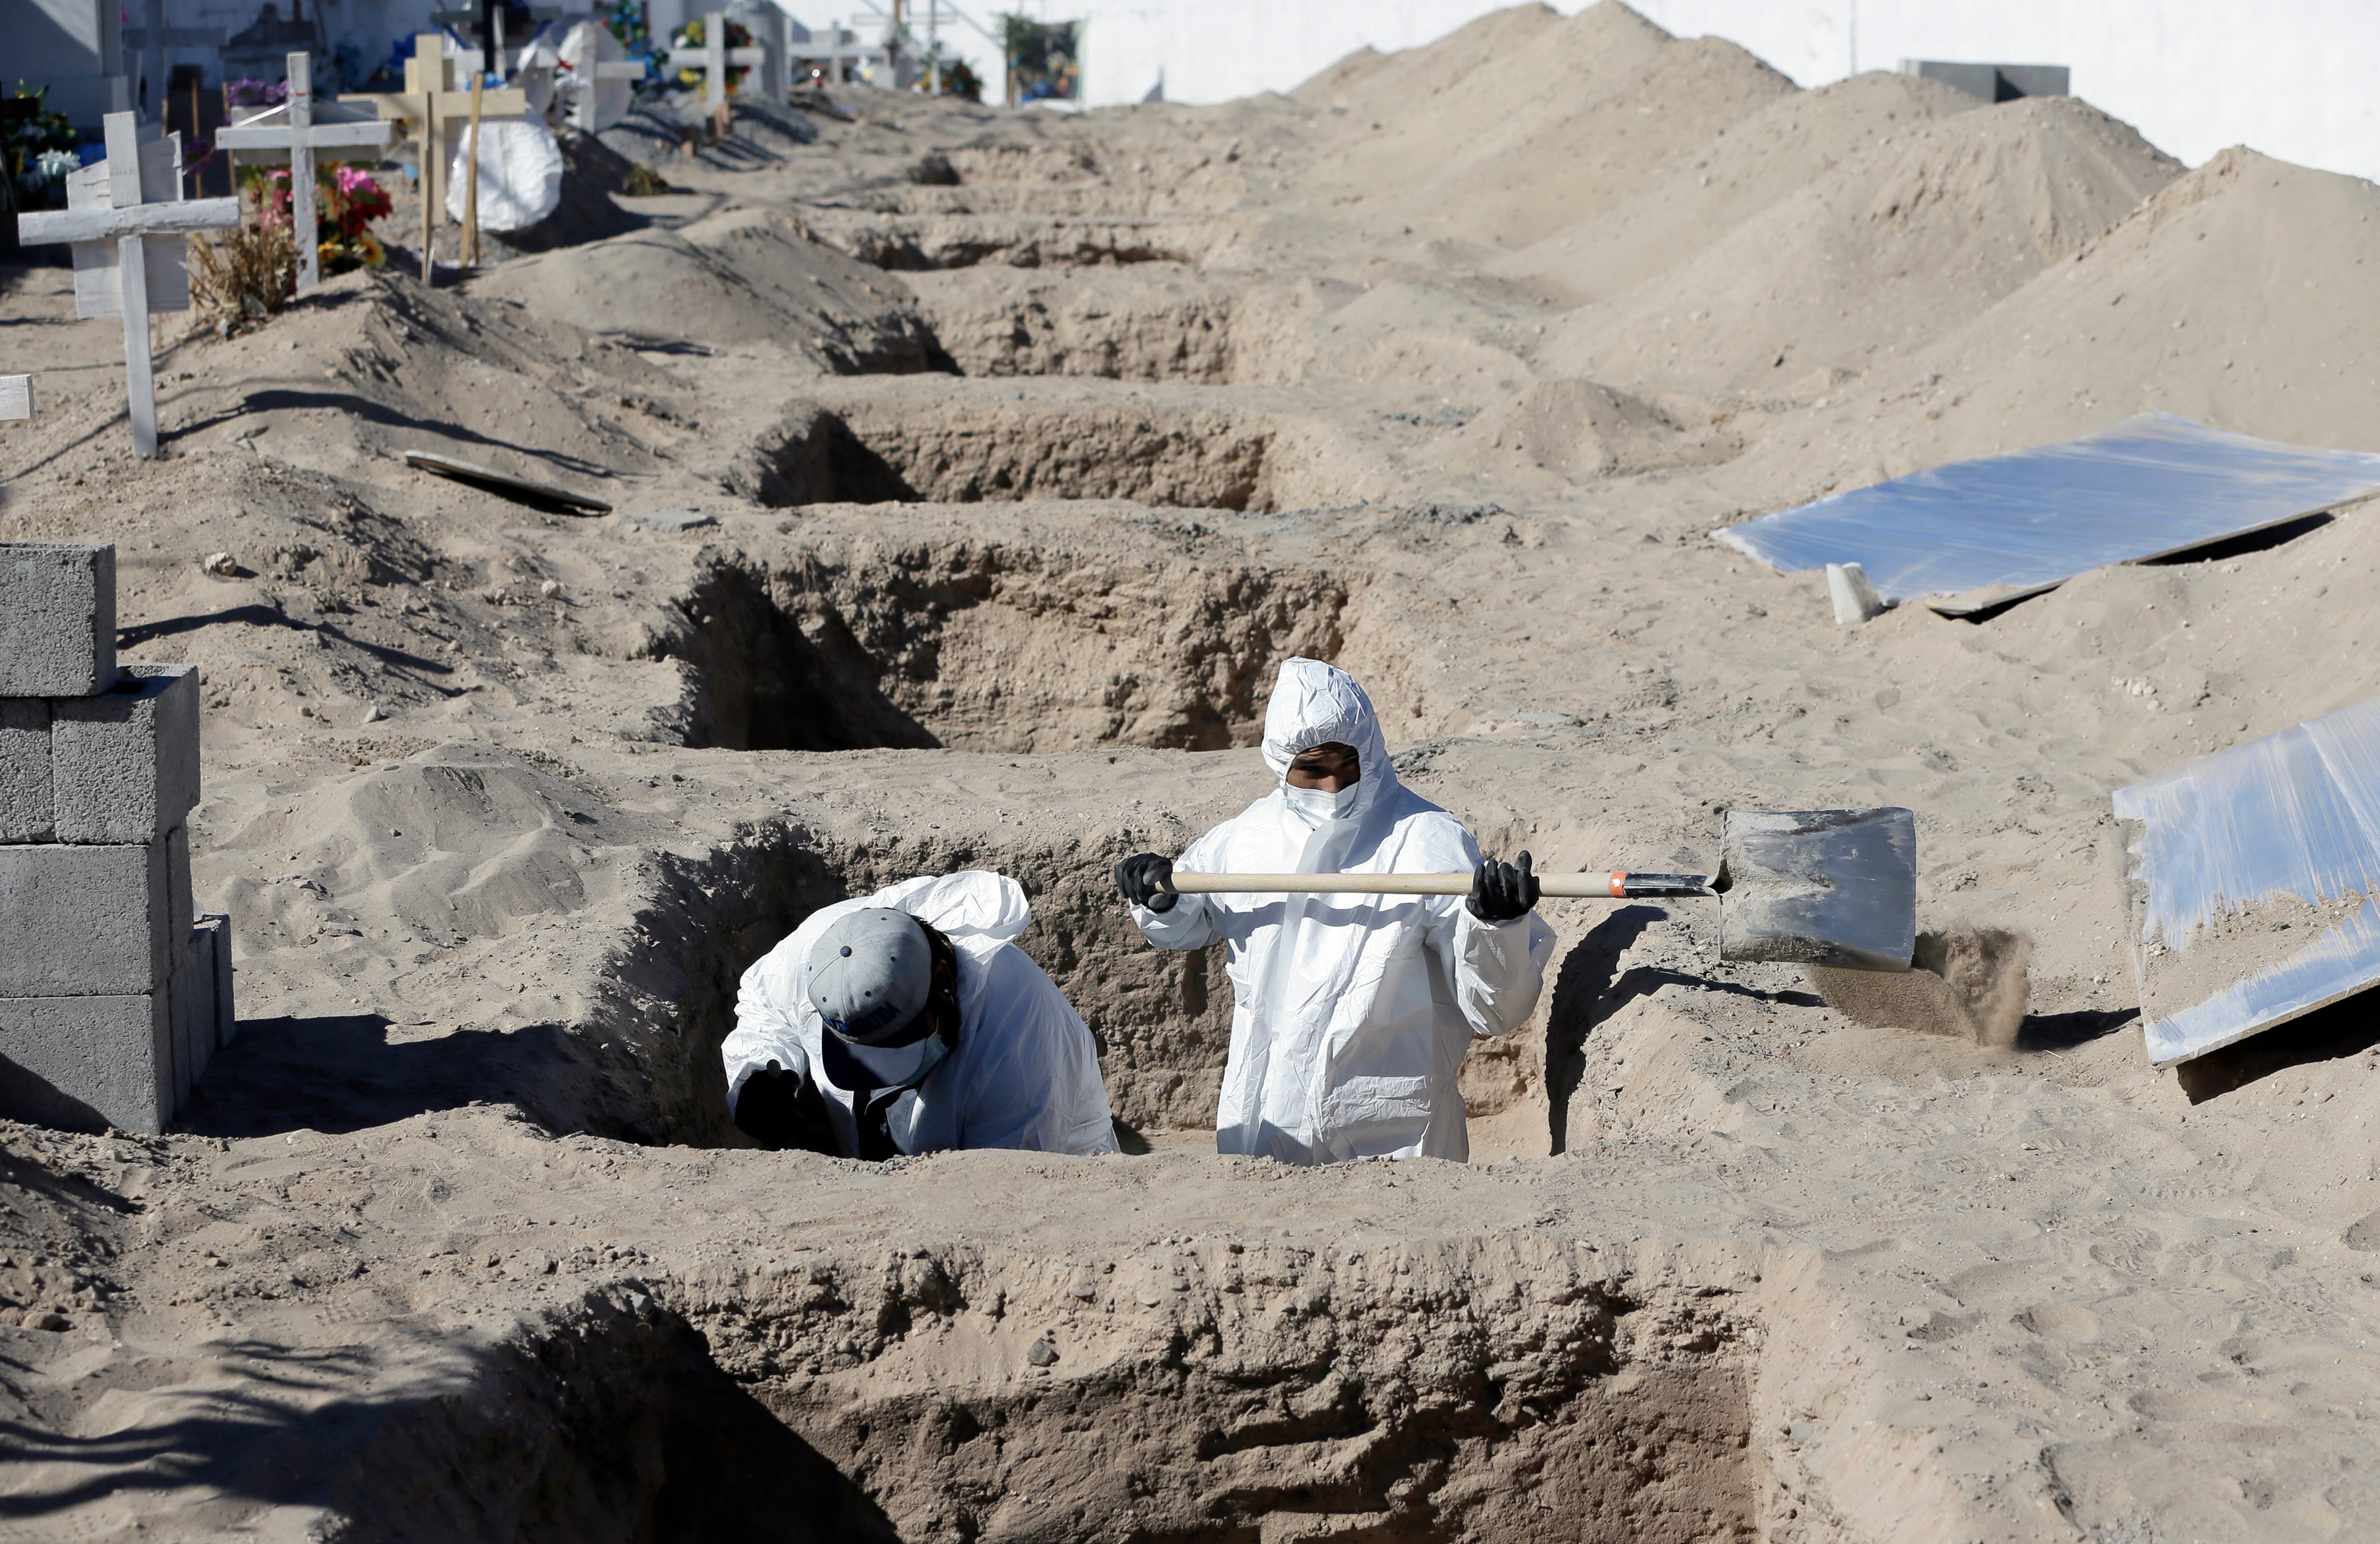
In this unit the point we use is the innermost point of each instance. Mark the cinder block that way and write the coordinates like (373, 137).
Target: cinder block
(57, 618)
(218, 928)
(124, 763)
(25, 799)
(201, 1002)
(90, 922)
(194, 1010)
(178, 920)
(85, 1062)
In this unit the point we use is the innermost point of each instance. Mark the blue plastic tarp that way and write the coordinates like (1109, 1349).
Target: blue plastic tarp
(2149, 487)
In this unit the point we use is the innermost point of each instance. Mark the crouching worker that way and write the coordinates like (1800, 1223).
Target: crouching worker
(1354, 1011)
(906, 1022)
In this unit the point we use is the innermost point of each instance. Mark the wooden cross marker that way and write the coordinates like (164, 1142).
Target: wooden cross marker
(715, 59)
(15, 398)
(290, 129)
(590, 56)
(432, 109)
(127, 219)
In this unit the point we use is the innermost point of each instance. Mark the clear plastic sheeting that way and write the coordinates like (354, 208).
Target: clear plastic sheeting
(2149, 487)
(2225, 845)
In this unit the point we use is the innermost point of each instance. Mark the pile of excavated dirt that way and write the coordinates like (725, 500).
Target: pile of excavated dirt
(1894, 246)
(973, 472)
(1702, 195)
(1525, 121)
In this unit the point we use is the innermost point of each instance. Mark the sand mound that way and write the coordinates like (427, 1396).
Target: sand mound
(730, 279)
(1515, 127)
(1585, 430)
(1714, 188)
(2242, 296)
(1368, 82)
(1890, 250)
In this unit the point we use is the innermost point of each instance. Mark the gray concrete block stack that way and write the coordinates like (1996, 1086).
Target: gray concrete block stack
(113, 996)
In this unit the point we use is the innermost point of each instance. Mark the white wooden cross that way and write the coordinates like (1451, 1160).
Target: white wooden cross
(290, 130)
(591, 55)
(834, 45)
(127, 221)
(431, 108)
(15, 398)
(715, 59)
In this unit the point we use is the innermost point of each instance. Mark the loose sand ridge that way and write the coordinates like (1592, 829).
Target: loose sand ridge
(456, 1241)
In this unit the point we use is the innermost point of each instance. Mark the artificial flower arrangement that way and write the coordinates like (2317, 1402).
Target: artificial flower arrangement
(346, 201)
(37, 151)
(691, 40)
(249, 91)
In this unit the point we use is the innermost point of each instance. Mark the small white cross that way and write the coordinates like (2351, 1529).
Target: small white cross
(297, 135)
(584, 67)
(127, 219)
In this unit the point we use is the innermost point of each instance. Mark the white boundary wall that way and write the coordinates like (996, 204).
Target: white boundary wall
(2295, 79)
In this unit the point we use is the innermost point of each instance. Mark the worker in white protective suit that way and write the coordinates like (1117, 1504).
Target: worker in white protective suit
(1354, 1011)
(908, 1022)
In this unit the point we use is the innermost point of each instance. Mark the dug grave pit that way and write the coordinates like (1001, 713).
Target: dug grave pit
(930, 635)
(1494, 1388)
(1162, 1020)
(887, 451)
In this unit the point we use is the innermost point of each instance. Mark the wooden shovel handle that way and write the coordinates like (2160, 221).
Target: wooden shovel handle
(1612, 886)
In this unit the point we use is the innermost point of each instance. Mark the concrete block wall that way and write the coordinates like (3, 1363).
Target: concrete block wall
(113, 996)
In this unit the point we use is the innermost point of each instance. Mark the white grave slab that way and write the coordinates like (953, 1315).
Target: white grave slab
(15, 398)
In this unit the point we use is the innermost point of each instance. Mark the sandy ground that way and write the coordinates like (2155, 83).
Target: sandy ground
(1023, 448)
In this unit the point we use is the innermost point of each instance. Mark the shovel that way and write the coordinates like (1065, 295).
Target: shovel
(1810, 887)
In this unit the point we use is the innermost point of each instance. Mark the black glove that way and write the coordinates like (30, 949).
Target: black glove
(780, 1110)
(1138, 878)
(1501, 892)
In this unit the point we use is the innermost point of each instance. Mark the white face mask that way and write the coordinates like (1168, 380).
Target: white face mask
(1317, 807)
(895, 1065)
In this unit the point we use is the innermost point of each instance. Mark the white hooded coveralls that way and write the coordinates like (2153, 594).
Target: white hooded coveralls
(1354, 1011)
(1024, 1073)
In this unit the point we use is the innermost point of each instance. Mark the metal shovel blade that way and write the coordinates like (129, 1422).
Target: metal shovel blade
(1818, 887)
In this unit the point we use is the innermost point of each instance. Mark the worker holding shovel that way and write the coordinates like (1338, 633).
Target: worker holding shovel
(1354, 1010)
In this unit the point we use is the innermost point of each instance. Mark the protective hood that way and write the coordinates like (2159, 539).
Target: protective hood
(1314, 704)
(974, 908)
(1024, 1074)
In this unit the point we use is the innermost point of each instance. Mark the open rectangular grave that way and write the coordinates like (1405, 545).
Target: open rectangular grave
(912, 243)
(1162, 1020)
(1505, 1389)
(883, 450)
(934, 637)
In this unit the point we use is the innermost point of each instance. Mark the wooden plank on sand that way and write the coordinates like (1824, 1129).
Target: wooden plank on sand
(501, 483)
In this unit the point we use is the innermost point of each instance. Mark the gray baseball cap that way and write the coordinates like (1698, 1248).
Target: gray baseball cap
(870, 974)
